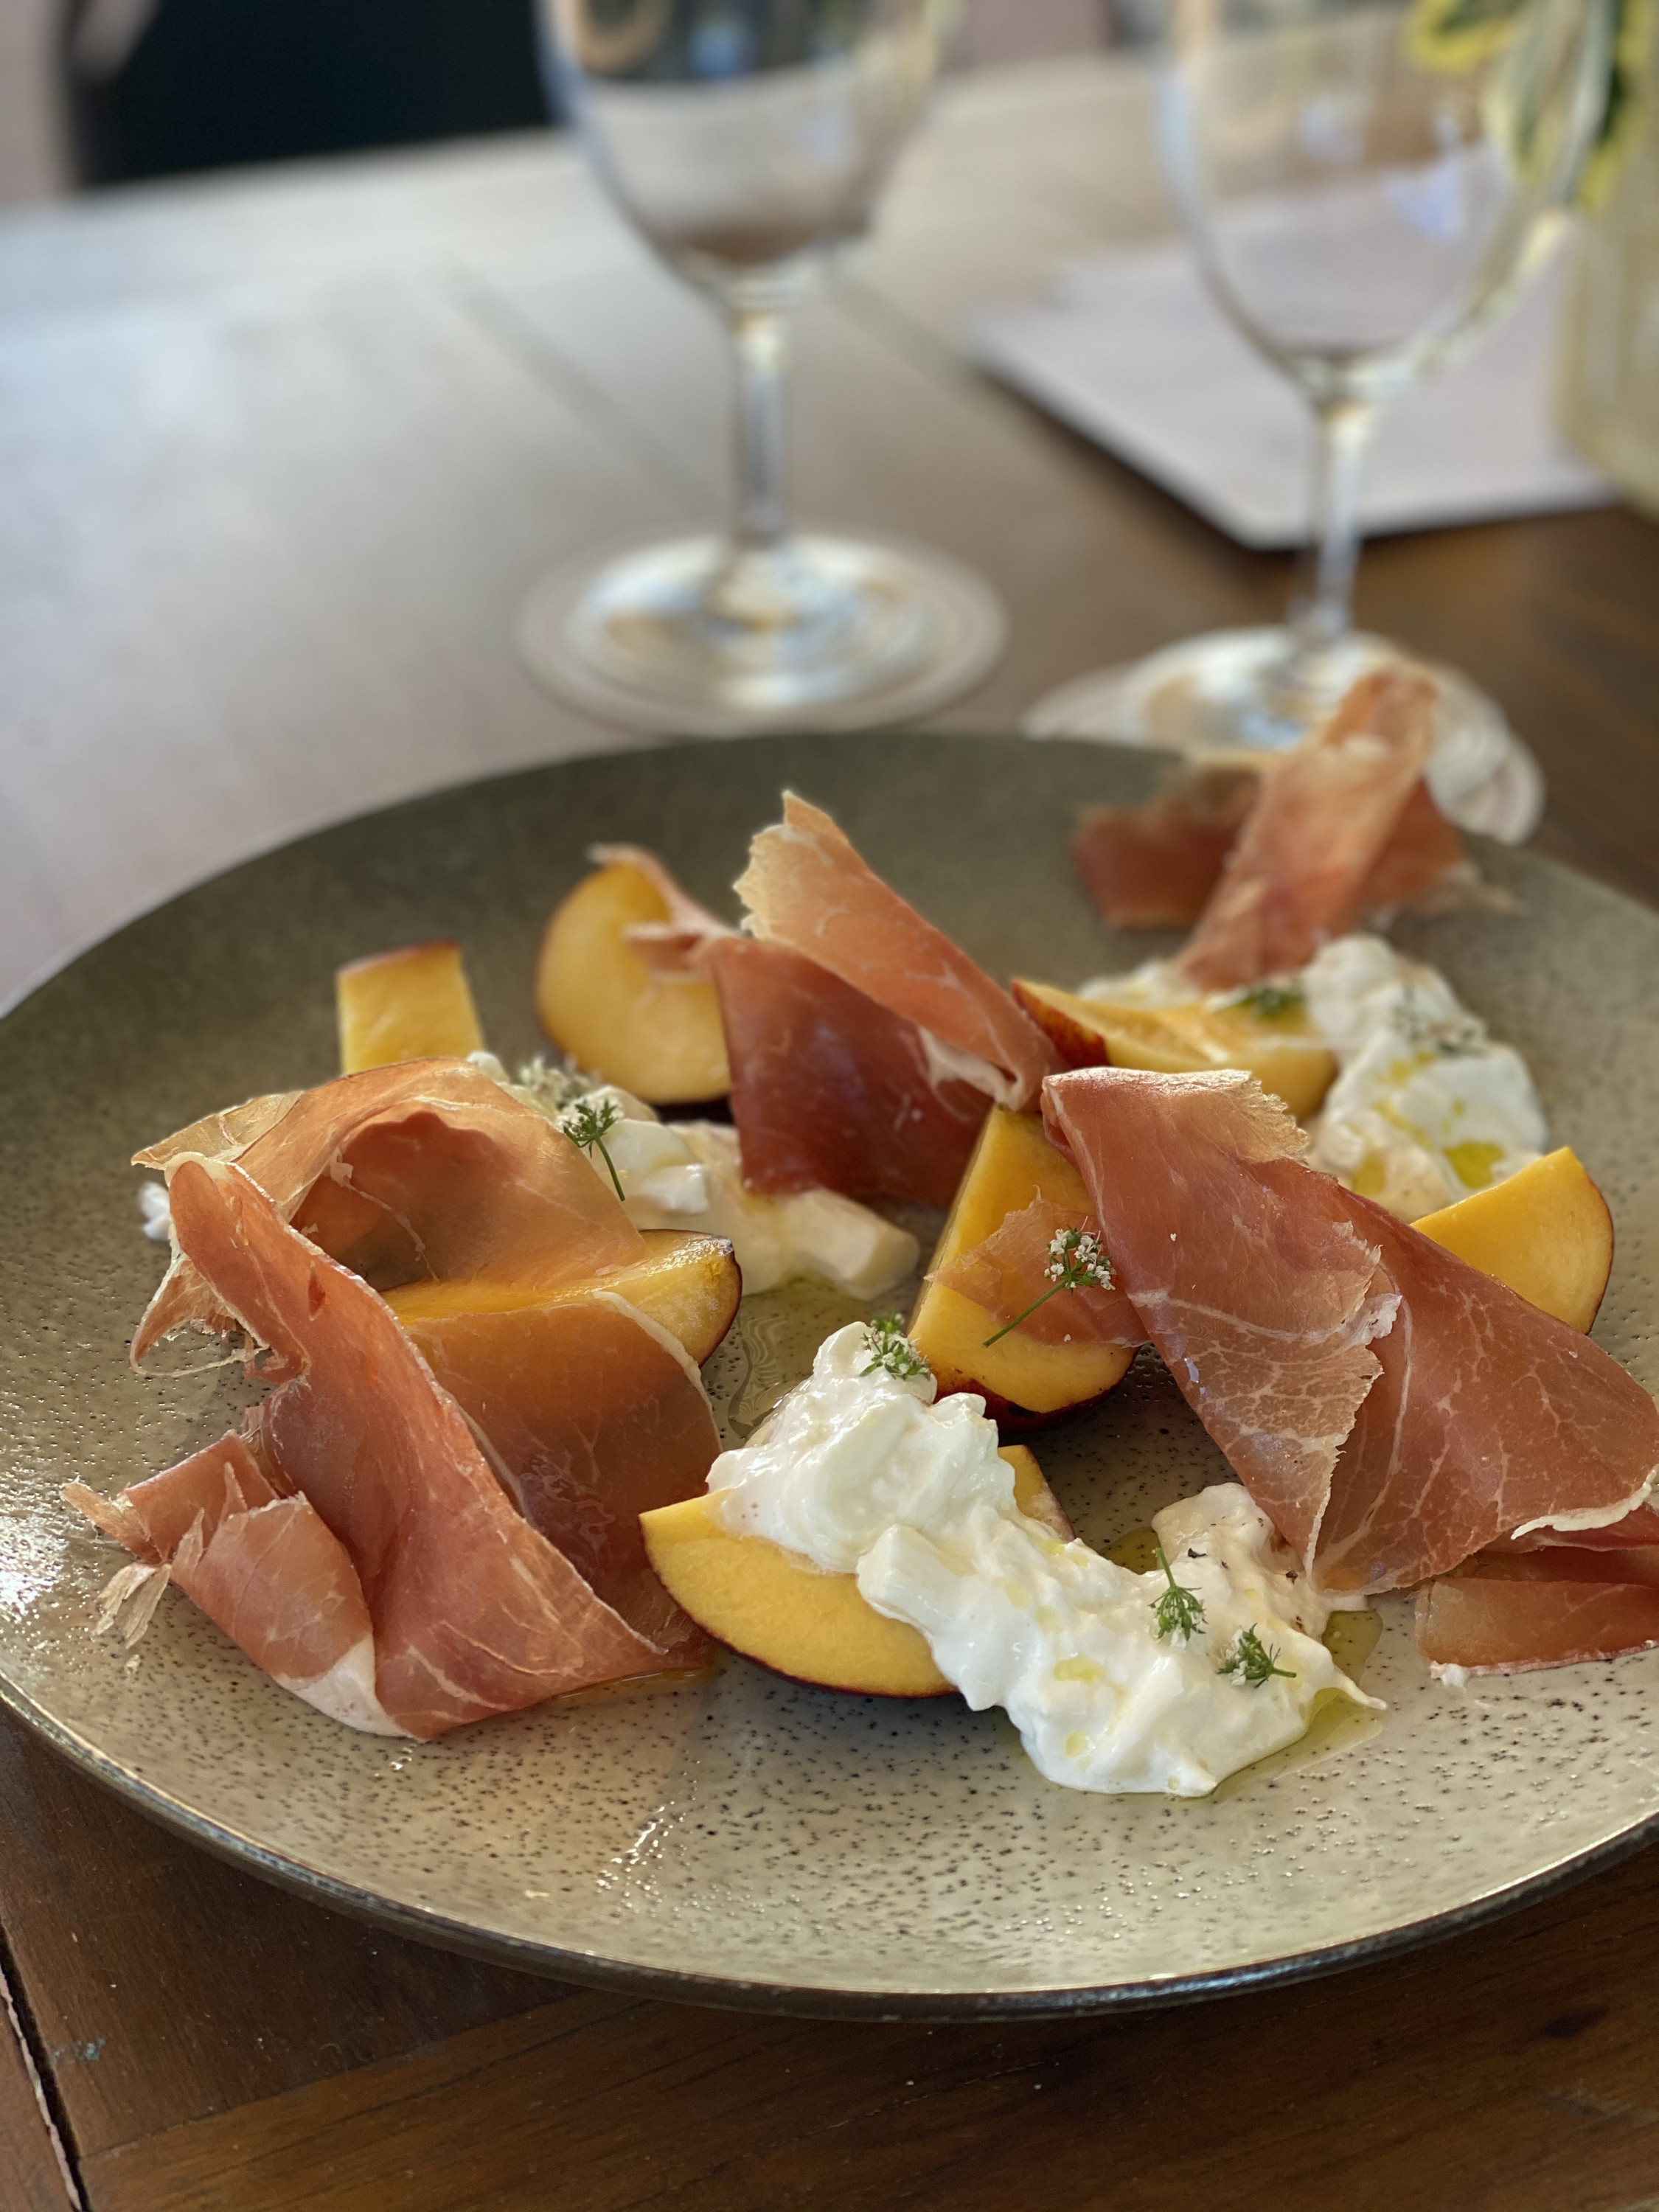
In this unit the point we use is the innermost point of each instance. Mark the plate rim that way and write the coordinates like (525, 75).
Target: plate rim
(795, 2000)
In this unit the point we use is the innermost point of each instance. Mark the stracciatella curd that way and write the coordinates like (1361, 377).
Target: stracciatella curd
(861, 1471)
(1425, 1107)
(688, 1175)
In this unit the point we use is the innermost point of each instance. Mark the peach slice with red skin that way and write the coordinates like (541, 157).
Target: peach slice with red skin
(411, 1003)
(657, 1035)
(771, 1606)
(1026, 1385)
(1545, 1230)
(1278, 1049)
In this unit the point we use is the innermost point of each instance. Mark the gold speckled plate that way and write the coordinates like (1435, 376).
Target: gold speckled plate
(745, 1840)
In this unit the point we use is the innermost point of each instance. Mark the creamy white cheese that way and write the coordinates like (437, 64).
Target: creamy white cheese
(1425, 1107)
(806, 1232)
(1155, 983)
(688, 1175)
(157, 1210)
(659, 1172)
(866, 1474)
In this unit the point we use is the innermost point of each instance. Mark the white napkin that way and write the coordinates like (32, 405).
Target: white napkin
(1132, 350)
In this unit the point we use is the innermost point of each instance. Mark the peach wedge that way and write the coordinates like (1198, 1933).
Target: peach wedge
(1544, 1231)
(1024, 1384)
(658, 1036)
(1276, 1049)
(412, 1003)
(764, 1602)
(689, 1285)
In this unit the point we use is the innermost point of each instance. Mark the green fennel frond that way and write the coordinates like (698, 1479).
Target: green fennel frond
(1255, 1662)
(1179, 1611)
(1077, 1261)
(891, 1352)
(587, 1124)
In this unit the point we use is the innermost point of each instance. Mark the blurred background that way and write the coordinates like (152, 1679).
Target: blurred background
(95, 93)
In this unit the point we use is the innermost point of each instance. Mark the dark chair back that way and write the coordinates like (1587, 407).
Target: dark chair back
(208, 84)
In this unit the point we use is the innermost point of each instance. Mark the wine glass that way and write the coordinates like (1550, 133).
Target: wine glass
(746, 141)
(1364, 186)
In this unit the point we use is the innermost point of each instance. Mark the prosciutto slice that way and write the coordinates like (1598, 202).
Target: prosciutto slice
(264, 1567)
(1156, 867)
(1636, 1529)
(1545, 1608)
(153, 1517)
(1008, 1272)
(424, 1170)
(1264, 1306)
(1425, 865)
(473, 1611)
(1392, 1410)
(1299, 874)
(1489, 1417)
(593, 1416)
(808, 891)
(829, 1088)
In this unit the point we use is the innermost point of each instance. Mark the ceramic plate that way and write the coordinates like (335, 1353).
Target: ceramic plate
(745, 1840)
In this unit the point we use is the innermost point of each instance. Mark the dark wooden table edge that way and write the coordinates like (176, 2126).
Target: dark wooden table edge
(877, 2006)
(47, 2145)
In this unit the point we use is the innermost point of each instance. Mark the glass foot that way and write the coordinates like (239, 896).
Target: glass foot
(1224, 693)
(692, 638)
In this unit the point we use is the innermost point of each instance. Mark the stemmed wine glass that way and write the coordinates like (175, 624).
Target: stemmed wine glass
(747, 140)
(1364, 186)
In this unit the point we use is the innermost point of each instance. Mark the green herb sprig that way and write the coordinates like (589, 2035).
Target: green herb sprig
(587, 1124)
(891, 1352)
(1255, 1662)
(1179, 1611)
(1269, 1002)
(1076, 1262)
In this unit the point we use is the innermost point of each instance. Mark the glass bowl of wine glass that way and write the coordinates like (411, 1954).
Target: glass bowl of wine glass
(1364, 187)
(747, 141)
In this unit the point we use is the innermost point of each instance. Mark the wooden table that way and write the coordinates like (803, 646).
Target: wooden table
(278, 459)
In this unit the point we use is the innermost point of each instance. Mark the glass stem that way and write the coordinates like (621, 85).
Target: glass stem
(761, 342)
(1320, 609)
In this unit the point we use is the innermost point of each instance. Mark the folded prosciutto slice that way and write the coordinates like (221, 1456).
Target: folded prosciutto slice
(1008, 1272)
(1297, 876)
(1546, 1598)
(1636, 1530)
(1392, 1410)
(1156, 867)
(593, 1415)
(1546, 1608)
(807, 889)
(424, 1170)
(865, 1048)
(830, 1089)
(1425, 865)
(472, 1611)
(264, 1567)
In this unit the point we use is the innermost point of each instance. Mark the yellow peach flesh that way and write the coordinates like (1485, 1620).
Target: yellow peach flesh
(775, 1607)
(1276, 1049)
(412, 1003)
(689, 1285)
(1023, 1381)
(658, 1036)
(1544, 1231)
